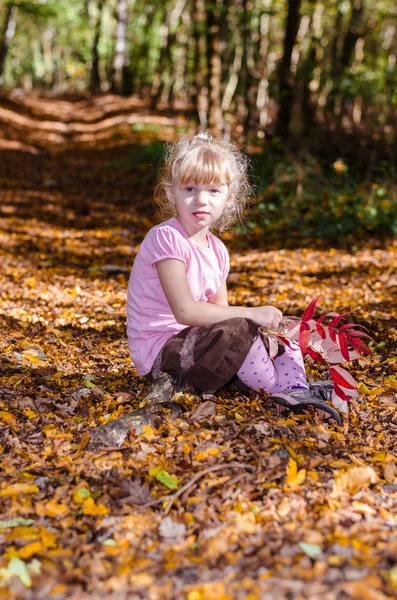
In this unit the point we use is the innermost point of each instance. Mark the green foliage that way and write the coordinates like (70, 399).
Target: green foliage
(304, 199)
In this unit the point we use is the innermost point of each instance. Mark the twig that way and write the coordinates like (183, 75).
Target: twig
(198, 476)
(102, 451)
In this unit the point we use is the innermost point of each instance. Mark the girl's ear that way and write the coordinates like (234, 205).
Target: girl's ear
(230, 198)
(170, 195)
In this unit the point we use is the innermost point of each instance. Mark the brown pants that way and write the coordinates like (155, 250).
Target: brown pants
(206, 358)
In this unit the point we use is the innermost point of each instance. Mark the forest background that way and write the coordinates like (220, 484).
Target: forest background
(311, 85)
(228, 500)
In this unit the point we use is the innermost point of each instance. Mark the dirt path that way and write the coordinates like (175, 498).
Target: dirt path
(309, 512)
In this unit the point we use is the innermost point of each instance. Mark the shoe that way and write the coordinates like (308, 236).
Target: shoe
(322, 389)
(299, 399)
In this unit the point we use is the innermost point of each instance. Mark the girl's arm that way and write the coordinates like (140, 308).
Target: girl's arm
(193, 313)
(220, 297)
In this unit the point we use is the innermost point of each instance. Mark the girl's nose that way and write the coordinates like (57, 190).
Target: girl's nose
(201, 197)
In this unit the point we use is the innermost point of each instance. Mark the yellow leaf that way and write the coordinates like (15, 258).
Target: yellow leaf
(363, 508)
(390, 383)
(80, 494)
(314, 476)
(30, 549)
(374, 393)
(33, 357)
(30, 414)
(213, 451)
(362, 590)
(30, 282)
(284, 507)
(59, 589)
(363, 389)
(52, 509)
(92, 509)
(354, 480)
(201, 456)
(52, 433)
(148, 432)
(7, 417)
(208, 452)
(19, 488)
(294, 477)
(246, 523)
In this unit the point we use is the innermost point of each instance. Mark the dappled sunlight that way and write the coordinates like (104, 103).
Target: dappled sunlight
(72, 217)
(107, 122)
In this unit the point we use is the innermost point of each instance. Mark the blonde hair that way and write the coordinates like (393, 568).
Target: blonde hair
(205, 160)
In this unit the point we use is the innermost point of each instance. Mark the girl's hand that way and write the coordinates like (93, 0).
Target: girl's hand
(268, 317)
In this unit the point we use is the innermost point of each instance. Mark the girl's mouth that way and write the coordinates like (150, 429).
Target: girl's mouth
(200, 212)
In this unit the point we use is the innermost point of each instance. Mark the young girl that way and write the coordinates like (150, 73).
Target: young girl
(178, 317)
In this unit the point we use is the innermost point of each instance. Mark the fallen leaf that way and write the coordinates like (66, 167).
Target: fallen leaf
(94, 510)
(294, 477)
(171, 481)
(19, 488)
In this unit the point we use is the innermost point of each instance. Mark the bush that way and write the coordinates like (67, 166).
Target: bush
(303, 199)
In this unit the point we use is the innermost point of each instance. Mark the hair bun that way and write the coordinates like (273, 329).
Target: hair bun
(203, 135)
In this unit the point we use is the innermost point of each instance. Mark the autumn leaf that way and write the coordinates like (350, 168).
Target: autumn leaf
(171, 481)
(52, 509)
(294, 477)
(92, 509)
(15, 489)
(15, 523)
(16, 567)
(354, 480)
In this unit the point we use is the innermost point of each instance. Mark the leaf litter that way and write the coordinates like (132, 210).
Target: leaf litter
(227, 500)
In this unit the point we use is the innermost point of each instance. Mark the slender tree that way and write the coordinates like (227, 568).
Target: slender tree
(286, 79)
(121, 51)
(95, 79)
(7, 33)
(214, 61)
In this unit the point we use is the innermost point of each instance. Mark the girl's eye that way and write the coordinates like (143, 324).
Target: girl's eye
(214, 191)
(189, 188)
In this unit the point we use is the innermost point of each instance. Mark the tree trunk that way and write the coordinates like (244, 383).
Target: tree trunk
(265, 68)
(200, 62)
(245, 79)
(120, 55)
(215, 65)
(7, 33)
(165, 68)
(95, 79)
(286, 82)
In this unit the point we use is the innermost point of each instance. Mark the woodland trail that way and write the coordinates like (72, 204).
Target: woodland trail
(311, 511)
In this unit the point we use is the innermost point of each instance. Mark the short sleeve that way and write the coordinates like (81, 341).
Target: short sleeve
(165, 242)
(226, 264)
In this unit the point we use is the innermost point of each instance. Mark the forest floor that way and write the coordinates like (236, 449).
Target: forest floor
(273, 508)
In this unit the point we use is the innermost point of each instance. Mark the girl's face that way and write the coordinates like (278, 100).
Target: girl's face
(199, 205)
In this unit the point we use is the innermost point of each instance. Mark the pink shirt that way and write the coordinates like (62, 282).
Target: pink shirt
(150, 320)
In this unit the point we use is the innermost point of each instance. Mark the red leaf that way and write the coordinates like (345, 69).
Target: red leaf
(309, 312)
(340, 393)
(285, 340)
(357, 334)
(330, 314)
(335, 322)
(360, 346)
(304, 338)
(351, 326)
(315, 355)
(332, 334)
(343, 346)
(321, 331)
(338, 379)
